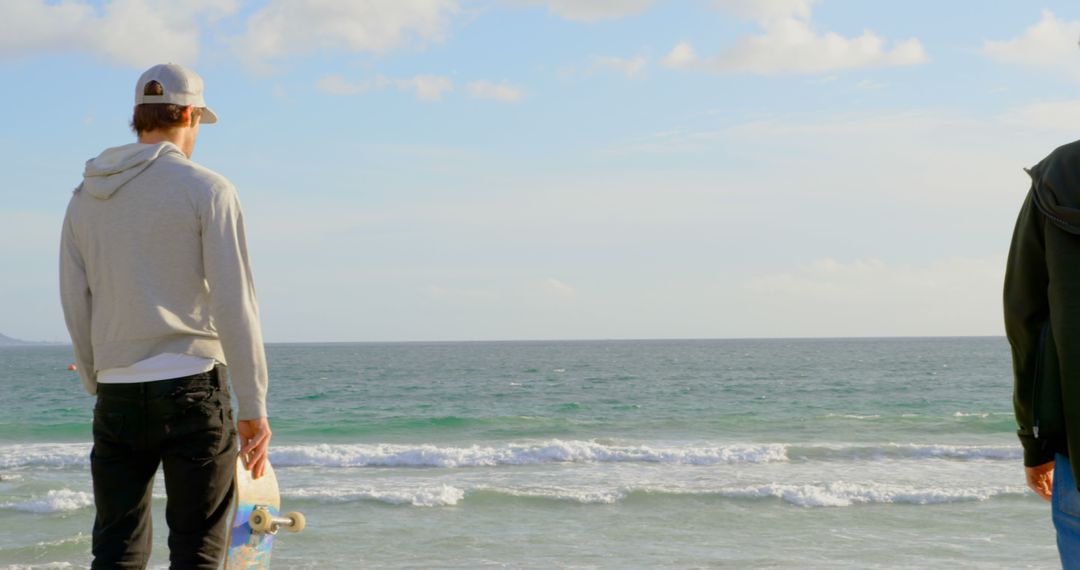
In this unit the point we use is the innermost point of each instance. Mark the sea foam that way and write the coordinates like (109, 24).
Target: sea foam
(77, 455)
(437, 496)
(1001, 452)
(835, 494)
(553, 451)
(812, 495)
(847, 451)
(841, 494)
(57, 455)
(55, 501)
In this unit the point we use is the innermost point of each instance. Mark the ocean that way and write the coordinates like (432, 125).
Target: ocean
(838, 453)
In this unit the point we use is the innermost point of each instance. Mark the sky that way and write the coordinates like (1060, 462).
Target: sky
(415, 170)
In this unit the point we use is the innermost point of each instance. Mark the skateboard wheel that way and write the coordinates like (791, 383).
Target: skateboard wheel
(298, 521)
(260, 521)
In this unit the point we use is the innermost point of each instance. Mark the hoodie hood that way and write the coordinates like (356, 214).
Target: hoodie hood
(117, 166)
(1055, 185)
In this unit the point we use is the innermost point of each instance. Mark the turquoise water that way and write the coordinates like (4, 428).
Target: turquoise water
(875, 453)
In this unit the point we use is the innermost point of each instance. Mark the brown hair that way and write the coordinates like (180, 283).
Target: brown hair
(159, 116)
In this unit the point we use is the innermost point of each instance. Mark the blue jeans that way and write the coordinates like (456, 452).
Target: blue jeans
(1066, 513)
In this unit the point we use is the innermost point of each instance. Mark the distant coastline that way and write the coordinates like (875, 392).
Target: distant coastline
(8, 341)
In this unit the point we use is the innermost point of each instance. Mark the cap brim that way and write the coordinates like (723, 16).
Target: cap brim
(209, 117)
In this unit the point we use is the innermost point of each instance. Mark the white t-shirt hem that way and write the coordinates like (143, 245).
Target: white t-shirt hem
(161, 367)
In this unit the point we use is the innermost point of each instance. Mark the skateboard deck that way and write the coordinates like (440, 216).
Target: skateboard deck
(256, 519)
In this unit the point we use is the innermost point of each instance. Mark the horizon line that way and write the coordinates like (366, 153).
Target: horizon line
(24, 343)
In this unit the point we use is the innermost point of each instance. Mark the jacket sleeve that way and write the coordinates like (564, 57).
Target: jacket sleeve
(75, 297)
(233, 307)
(1026, 306)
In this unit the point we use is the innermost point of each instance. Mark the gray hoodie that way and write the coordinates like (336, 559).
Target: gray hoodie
(153, 260)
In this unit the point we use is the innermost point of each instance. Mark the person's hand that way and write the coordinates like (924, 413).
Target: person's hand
(1041, 479)
(254, 444)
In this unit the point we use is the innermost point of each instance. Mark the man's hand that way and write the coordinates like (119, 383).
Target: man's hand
(1041, 479)
(254, 444)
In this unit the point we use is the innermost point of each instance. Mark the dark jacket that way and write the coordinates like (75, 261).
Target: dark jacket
(1042, 310)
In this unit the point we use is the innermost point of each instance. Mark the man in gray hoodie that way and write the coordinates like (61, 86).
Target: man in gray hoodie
(159, 301)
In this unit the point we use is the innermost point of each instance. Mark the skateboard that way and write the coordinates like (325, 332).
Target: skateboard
(256, 519)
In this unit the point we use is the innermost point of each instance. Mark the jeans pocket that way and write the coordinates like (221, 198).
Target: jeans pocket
(198, 429)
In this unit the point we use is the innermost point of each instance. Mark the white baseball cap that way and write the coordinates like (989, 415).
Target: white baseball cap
(179, 86)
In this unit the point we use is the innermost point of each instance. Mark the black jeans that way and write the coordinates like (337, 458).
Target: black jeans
(186, 425)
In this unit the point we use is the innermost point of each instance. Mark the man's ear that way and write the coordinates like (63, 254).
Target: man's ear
(186, 115)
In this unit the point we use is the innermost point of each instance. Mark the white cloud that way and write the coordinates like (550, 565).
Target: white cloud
(1051, 43)
(498, 91)
(129, 32)
(790, 44)
(634, 67)
(143, 32)
(680, 56)
(288, 27)
(424, 87)
(590, 10)
(766, 9)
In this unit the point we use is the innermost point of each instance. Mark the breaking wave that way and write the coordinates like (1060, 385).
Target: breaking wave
(814, 495)
(77, 455)
(55, 501)
(554, 451)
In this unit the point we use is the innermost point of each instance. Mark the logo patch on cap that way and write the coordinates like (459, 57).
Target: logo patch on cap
(153, 88)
